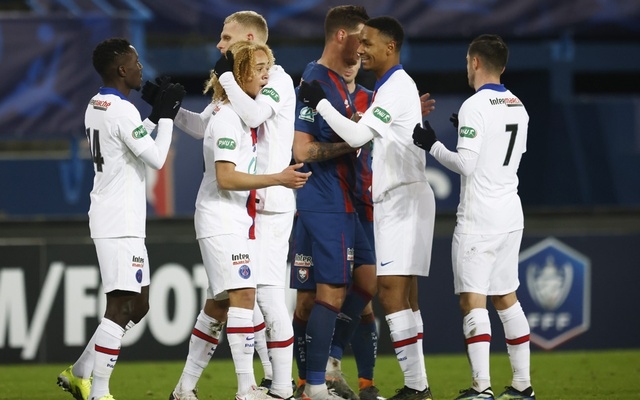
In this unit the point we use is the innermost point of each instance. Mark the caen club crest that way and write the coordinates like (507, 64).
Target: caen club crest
(557, 299)
(303, 274)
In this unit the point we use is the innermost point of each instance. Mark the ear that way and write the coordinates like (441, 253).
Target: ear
(122, 71)
(250, 37)
(391, 47)
(341, 34)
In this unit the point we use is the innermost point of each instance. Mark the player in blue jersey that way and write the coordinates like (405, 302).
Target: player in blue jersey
(328, 237)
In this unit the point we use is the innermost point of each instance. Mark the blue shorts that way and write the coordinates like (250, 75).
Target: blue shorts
(326, 246)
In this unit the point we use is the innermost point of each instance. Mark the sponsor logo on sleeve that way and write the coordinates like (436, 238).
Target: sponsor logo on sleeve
(508, 101)
(271, 92)
(382, 115)
(139, 132)
(101, 105)
(467, 132)
(307, 114)
(226, 143)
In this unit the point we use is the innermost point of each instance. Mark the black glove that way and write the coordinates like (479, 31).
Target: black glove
(224, 64)
(424, 137)
(311, 93)
(150, 89)
(167, 102)
(454, 120)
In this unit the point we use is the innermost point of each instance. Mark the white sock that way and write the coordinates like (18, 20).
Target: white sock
(83, 367)
(202, 344)
(404, 335)
(259, 328)
(420, 327)
(516, 332)
(271, 300)
(242, 341)
(477, 335)
(107, 348)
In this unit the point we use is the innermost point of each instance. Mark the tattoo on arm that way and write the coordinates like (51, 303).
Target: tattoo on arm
(320, 151)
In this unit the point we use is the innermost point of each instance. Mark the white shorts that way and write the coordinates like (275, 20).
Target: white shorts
(124, 263)
(403, 230)
(227, 260)
(270, 248)
(486, 264)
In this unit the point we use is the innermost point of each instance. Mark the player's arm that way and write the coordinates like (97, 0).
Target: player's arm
(252, 112)
(194, 123)
(462, 162)
(307, 149)
(355, 134)
(156, 154)
(230, 179)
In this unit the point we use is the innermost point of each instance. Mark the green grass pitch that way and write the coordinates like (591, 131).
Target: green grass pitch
(556, 375)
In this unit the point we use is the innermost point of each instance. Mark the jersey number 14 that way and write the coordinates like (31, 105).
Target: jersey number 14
(96, 156)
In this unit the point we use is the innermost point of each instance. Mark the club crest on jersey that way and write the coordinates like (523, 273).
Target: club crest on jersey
(244, 271)
(271, 93)
(226, 143)
(307, 114)
(303, 274)
(139, 276)
(382, 115)
(139, 132)
(467, 132)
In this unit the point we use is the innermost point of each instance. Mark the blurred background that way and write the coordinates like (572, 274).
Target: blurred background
(575, 64)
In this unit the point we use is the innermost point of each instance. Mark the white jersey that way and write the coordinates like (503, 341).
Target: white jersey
(275, 139)
(116, 137)
(492, 123)
(218, 211)
(394, 113)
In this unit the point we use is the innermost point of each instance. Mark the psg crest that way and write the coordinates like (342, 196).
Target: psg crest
(557, 292)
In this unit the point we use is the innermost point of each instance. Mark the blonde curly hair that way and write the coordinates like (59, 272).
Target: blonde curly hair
(244, 65)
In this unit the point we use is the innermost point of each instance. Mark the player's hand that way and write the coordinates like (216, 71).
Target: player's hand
(427, 104)
(311, 93)
(293, 179)
(224, 64)
(151, 89)
(167, 103)
(454, 120)
(424, 137)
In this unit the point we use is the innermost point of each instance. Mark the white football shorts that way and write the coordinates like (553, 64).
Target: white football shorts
(403, 230)
(270, 248)
(486, 264)
(124, 263)
(228, 264)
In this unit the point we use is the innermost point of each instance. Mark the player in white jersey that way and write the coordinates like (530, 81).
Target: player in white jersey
(404, 204)
(225, 208)
(492, 134)
(120, 147)
(271, 112)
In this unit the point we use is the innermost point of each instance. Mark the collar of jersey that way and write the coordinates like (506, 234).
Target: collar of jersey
(113, 91)
(386, 76)
(493, 86)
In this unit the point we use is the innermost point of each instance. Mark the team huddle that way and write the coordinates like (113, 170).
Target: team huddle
(340, 170)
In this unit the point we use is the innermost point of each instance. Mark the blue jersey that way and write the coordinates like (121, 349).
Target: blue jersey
(330, 187)
(361, 98)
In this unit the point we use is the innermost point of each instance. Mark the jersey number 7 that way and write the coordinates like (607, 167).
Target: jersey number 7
(513, 128)
(95, 149)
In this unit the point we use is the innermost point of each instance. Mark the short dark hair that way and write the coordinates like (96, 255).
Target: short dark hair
(106, 53)
(492, 49)
(344, 17)
(390, 27)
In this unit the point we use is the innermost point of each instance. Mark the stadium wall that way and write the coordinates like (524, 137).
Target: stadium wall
(51, 300)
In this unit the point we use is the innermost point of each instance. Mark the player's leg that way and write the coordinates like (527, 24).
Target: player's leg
(473, 257)
(272, 247)
(364, 344)
(203, 342)
(514, 321)
(125, 289)
(403, 240)
(415, 307)
(260, 329)
(333, 258)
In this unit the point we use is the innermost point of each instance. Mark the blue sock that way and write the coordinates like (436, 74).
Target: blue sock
(348, 320)
(365, 346)
(322, 321)
(300, 346)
